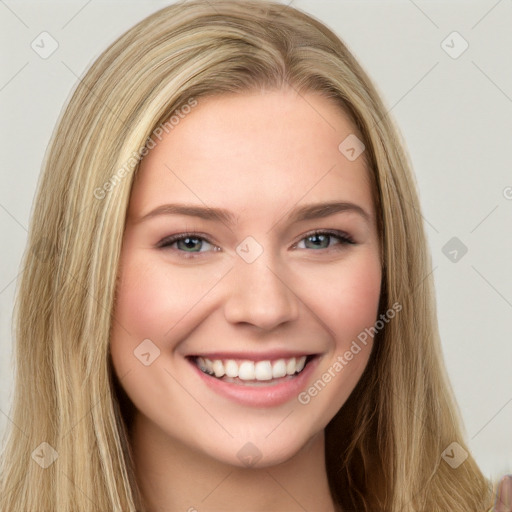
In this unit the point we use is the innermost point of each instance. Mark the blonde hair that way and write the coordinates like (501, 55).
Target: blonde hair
(384, 447)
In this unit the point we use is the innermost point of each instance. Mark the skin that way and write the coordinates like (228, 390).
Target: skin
(259, 155)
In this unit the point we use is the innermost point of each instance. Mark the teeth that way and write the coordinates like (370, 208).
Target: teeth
(299, 365)
(231, 368)
(205, 365)
(263, 370)
(218, 368)
(279, 368)
(250, 370)
(246, 371)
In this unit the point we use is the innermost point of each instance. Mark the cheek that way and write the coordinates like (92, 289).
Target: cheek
(143, 303)
(358, 308)
(156, 300)
(346, 297)
(347, 302)
(145, 298)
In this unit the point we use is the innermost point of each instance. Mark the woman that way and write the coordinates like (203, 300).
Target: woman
(293, 361)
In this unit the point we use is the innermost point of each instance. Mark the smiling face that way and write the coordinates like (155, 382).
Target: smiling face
(239, 331)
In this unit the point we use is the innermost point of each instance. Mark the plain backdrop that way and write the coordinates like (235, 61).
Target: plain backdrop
(453, 106)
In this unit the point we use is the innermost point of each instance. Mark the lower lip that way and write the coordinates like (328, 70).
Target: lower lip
(260, 396)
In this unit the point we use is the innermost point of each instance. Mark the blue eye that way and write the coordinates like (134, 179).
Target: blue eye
(322, 239)
(186, 242)
(190, 243)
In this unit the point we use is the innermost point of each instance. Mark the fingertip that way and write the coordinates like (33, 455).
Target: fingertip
(504, 495)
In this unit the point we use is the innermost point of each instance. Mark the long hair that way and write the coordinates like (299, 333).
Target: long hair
(384, 447)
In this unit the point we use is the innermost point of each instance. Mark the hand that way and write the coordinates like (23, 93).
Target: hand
(503, 501)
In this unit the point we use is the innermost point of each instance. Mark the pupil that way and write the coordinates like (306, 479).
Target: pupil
(321, 239)
(188, 241)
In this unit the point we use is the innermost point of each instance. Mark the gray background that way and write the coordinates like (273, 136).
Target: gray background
(454, 113)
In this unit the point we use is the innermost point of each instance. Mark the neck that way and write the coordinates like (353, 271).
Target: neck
(174, 477)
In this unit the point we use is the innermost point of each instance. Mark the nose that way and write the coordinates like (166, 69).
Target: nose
(260, 295)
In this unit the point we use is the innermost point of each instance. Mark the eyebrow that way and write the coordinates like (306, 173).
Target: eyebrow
(302, 213)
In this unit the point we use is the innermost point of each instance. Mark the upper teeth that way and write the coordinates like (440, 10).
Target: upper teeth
(251, 370)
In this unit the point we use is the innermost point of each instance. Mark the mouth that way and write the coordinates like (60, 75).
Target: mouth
(250, 372)
(253, 381)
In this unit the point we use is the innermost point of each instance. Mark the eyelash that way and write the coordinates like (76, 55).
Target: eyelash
(166, 243)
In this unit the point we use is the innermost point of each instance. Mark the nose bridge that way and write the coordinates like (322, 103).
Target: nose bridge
(259, 293)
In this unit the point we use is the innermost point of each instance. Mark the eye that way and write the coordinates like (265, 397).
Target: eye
(322, 239)
(193, 244)
(187, 243)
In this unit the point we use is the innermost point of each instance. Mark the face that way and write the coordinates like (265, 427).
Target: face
(240, 298)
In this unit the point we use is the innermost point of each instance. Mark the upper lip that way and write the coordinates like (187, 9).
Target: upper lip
(252, 356)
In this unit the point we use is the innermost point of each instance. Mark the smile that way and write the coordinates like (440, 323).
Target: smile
(263, 380)
(248, 370)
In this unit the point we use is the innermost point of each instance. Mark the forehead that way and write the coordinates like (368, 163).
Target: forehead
(254, 152)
